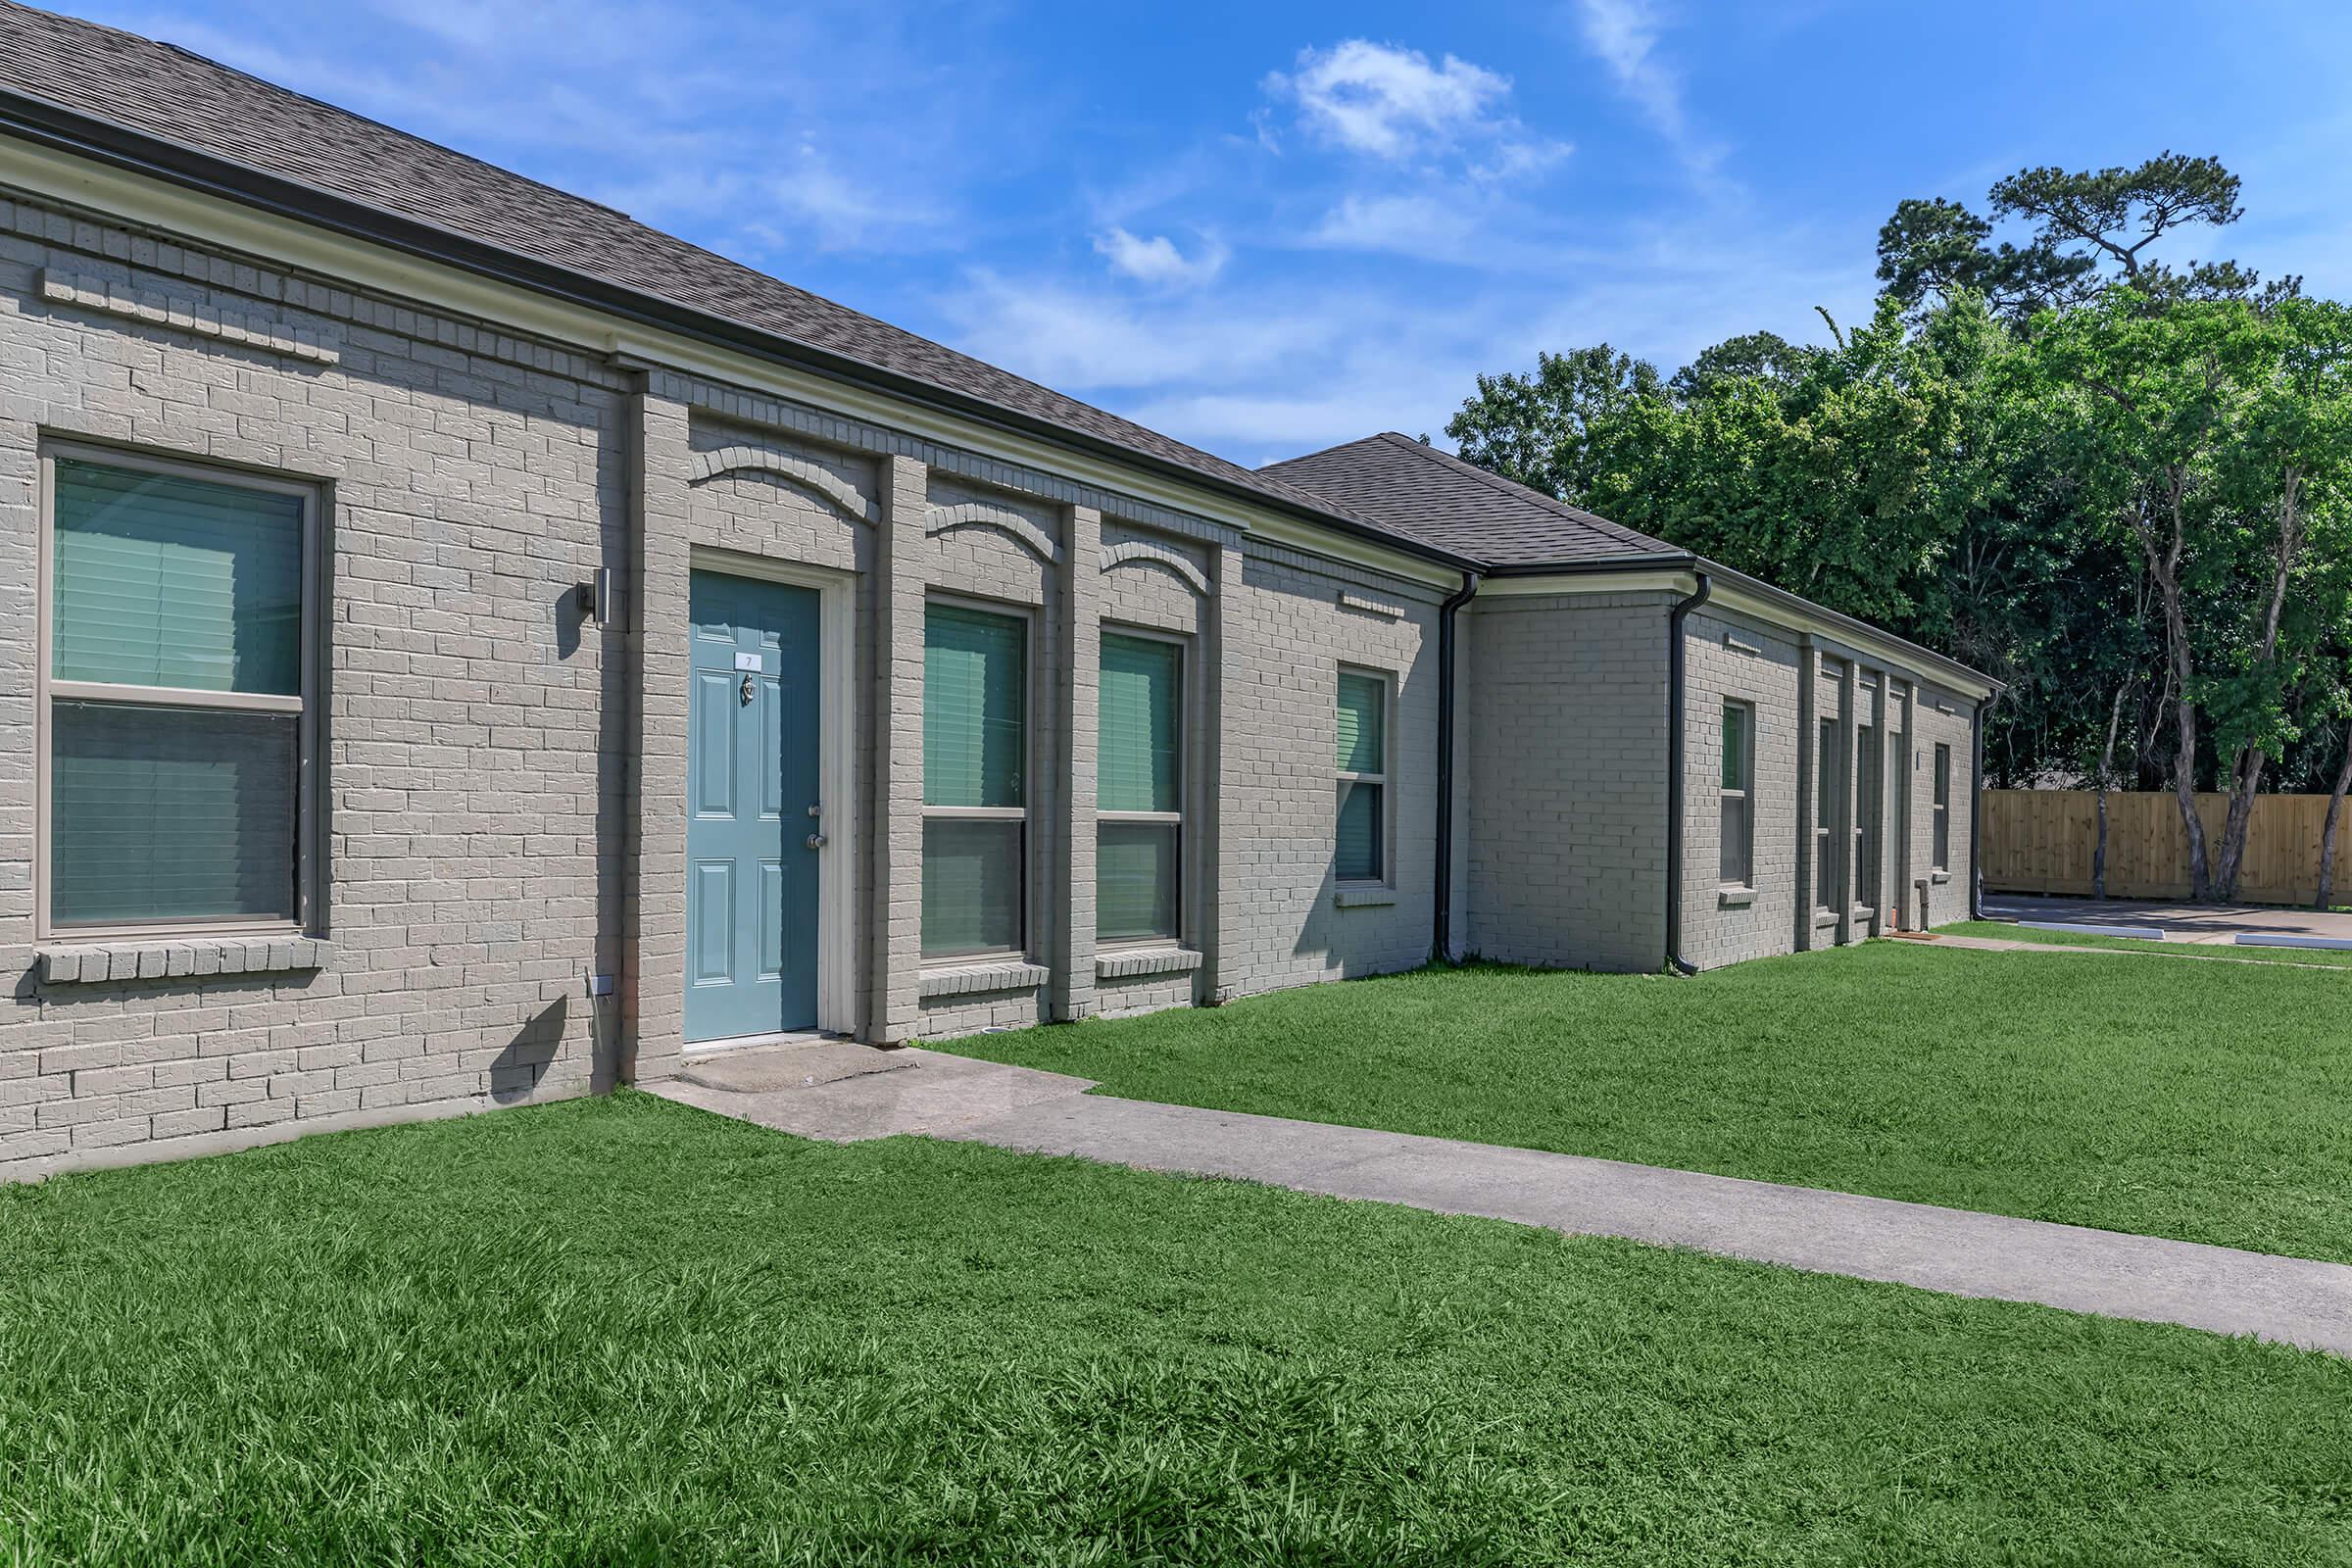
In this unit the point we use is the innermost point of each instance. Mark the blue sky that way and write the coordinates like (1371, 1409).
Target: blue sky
(1265, 228)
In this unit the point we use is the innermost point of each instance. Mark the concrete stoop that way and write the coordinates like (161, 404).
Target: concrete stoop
(845, 1093)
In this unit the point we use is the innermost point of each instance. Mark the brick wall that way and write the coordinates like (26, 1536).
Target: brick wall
(473, 767)
(1566, 732)
(1739, 659)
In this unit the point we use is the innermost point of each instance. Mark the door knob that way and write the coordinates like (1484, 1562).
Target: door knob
(816, 841)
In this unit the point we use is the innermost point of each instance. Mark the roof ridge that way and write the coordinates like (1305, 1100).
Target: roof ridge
(1507, 486)
(385, 125)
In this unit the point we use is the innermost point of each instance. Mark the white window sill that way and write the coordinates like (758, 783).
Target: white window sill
(1823, 920)
(1729, 897)
(974, 979)
(191, 956)
(1121, 964)
(1939, 878)
(1363, 898)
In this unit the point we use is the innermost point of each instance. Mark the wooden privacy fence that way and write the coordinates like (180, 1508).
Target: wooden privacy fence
(2041, 841)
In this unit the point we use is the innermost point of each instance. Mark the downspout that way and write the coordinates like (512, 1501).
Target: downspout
(1675, 824)
(1976, 814)
(1443, 904)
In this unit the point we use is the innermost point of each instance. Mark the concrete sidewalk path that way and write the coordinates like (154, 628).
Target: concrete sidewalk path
(2293, 1301)
(846, 1092)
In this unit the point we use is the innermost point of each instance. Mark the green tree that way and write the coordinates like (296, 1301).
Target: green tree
(1767, 355)
(2089, 229)
(1875, 477)
(2217, 435)
(1554, 431)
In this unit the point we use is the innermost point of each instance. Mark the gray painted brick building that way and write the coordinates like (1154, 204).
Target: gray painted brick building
(459, 646)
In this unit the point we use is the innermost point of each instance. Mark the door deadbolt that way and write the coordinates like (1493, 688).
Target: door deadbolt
(747, 691)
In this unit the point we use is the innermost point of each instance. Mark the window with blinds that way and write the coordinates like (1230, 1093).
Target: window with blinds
(1829, 777)
(1139, 806)
(181, 730)
(1360, 849)
(1739, 799)
(975, 763)
(1870, 800)
(1941, 822)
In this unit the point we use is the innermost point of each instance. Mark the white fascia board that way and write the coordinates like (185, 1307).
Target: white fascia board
(157, 204)
(1837, 634)
(1853, 639)
(1665, 579)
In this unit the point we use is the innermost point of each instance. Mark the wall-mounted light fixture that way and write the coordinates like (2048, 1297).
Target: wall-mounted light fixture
(595, 595)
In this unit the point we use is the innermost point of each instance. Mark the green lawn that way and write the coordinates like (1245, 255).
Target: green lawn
(621, 1331)
(2309, 957)
(2211, 1102)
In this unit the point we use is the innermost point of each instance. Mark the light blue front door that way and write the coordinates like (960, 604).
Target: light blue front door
(751, 782)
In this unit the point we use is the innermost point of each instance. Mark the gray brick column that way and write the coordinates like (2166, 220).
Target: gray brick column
(1224, 689)
(20, 411)
(653, 905)
(1906, 863)
(1841, 830)
(1808, 787)
(1881, 917)
(898, 805)
(1078, 692)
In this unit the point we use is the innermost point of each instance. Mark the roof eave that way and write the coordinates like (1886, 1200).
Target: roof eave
(1655, 561)
(1928, 659)
(49, 125)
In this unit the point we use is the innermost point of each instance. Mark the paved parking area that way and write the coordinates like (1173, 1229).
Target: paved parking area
(2179, 922)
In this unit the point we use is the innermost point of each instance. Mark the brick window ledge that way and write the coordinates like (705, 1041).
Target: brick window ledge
(1364, 898)
(1729, 897)
(974, 979)
(1121, 963)
(172, 958)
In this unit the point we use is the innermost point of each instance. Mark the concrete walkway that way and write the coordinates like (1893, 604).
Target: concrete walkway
(2184, 952)
(2204, 923)
(836, 1091)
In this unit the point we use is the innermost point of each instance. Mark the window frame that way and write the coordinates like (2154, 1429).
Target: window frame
(1939, 813)
(1746, 795)
(1342, 778)
(1184, 785)
(309, 792)
(1026, 614)
(1869, 827)
(1829, 784)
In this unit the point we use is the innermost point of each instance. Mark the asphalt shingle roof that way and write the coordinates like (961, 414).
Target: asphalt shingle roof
(164, 91)
(1415, 488)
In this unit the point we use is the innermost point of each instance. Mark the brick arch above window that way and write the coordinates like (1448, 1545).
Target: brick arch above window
(1136, 553)
(979, 515)
(799, 471)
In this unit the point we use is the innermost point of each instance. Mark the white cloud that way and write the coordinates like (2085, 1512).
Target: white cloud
(1387, 101)
(1422, 226)
(758, 126)
(1624, 34)
(1158, 260)
(1080, 338)
(1519, 160)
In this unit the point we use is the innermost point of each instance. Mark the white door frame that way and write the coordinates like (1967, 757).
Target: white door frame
(837, 768)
